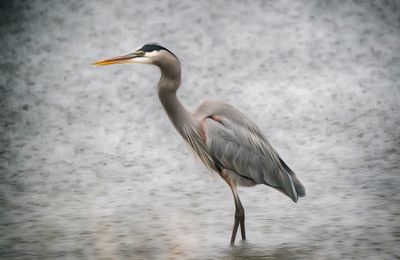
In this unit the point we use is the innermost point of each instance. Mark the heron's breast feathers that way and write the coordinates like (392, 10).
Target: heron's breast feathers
(195, 138)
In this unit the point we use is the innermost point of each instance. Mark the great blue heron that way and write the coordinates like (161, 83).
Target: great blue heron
(224, 139)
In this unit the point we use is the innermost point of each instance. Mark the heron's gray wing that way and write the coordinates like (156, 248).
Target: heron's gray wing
(239, 145)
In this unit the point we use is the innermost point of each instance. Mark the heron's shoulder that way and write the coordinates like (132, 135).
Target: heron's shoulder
(214, 106)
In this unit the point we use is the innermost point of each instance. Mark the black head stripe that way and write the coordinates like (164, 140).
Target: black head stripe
(149, 47)
(152, 47)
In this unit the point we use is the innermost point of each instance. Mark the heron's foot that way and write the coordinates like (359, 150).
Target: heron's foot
(239, 220)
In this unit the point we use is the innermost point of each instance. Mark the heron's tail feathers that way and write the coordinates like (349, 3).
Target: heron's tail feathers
(298, 187)
(301, 192)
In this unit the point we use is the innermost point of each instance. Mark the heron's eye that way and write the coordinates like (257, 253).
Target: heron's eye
(140, 53)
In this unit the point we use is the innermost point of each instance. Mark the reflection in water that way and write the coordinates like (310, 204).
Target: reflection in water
(245, 250)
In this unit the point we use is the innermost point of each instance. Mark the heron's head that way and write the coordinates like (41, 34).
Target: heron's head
(150, 53)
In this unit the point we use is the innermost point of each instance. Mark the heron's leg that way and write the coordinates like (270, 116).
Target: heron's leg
(239, 216)
(239, 210)
(241, 219)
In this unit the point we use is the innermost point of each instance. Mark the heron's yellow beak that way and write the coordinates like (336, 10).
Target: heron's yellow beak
(117, 60)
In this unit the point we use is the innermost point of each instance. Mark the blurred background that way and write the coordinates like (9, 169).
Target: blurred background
(92, 168)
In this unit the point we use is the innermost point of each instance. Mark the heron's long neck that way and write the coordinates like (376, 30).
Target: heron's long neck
(177, 113)
(167, 88)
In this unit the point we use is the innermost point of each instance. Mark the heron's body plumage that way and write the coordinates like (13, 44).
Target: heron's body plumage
(234, 142)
